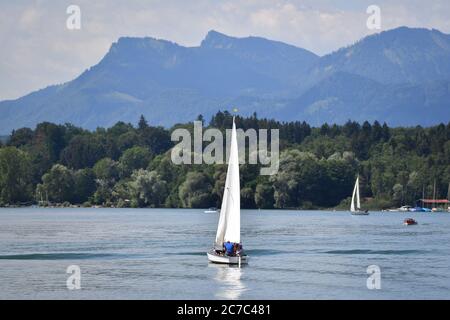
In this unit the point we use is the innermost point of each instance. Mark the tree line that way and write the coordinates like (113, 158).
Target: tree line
(130, 166)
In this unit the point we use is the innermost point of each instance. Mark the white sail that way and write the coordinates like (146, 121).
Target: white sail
(229, 228)
(355, 194)
(358, 204)
(352, 205)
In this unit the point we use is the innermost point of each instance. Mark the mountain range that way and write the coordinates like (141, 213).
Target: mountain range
(400, 76)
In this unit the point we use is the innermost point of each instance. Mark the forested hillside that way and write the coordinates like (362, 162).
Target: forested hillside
(130, 166)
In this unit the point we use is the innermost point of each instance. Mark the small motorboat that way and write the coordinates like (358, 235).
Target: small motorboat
(211, 210)
(409, 222)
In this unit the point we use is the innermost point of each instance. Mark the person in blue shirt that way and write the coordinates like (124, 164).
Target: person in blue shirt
(229, 248)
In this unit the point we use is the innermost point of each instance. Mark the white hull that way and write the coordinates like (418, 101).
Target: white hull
(226, 259)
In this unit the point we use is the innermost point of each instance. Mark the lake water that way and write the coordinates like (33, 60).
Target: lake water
(160, 254)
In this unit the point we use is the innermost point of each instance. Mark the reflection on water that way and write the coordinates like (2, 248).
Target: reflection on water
(229, 284)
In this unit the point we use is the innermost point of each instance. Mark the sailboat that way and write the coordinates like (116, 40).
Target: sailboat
(357, 211)
(229, 227)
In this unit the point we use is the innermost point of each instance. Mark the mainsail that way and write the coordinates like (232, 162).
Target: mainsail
(229, 228)
(355, 194)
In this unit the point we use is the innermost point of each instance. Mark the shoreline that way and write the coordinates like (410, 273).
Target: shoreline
(257, 209)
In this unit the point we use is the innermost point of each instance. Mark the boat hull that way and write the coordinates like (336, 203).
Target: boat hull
(410, 222)
(360, 213)
(214, 258)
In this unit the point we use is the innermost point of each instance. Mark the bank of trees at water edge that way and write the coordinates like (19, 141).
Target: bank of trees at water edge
(130, 166)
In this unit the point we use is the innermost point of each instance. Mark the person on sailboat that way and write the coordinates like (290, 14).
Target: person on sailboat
(237, 248)
(220, 252)
(229, 248)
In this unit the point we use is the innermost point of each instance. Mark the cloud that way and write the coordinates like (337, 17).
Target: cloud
(29, 18)
(38, 50)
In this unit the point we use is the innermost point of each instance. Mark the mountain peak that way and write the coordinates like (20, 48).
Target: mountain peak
(142, 42)
(406, 35)
(215, 39)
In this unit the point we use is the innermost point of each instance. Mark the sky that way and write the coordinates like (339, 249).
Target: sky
(37, 49)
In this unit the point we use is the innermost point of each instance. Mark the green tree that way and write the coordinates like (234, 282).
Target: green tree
(148, 189)
(15, 176)
(106, 172)
(82, 152)
(219, 178)
(196, 191)
(264, 196)
(338, 181)
(134, 159)
(21, 137)
(397, 194)
(50, 138)
(247, 198)
(58, 184)
(45, 148)
(106, 169)
(127, 140)
(142, 124)
(157, 139)
(297, 180)
(84, 185)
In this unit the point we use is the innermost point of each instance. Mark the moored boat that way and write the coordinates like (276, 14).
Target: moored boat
(356, 210)
(409, 222)
(420, 209)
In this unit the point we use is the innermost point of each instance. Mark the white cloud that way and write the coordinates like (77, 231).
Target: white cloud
(29, 18)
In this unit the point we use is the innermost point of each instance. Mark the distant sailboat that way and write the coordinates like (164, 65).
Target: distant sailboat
(355, 196)
(229, 228)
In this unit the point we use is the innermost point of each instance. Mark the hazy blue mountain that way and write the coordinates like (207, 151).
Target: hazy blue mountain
(401, 55)
(400, 76)
(343, 96)
(166, 82)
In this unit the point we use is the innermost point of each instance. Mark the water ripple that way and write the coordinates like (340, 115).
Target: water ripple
(56, 256)
(365, 251)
